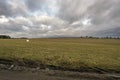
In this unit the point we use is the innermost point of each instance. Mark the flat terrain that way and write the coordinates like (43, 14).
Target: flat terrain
(63, 53)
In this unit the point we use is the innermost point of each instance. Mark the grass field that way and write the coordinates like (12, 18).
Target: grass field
(71, 53)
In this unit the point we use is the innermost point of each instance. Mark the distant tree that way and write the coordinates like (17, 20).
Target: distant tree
(23, 38)
(81, 37)
(110, 37)
(90, 37)
(86, 37)
(118, 37)
(4, 37)
(107, 37)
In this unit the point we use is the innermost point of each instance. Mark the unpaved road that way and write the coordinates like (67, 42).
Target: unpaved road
(54, 75)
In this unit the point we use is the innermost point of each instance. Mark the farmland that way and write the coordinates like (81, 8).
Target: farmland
(67, 53)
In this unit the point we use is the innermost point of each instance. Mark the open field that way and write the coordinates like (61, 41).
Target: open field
(68, 53)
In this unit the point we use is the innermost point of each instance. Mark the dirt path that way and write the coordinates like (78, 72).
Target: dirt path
(54, 75)
(14, 72)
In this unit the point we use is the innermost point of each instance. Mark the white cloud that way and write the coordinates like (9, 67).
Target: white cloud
(25, 28)
(3, 20)
(44, 18)
(86, 22)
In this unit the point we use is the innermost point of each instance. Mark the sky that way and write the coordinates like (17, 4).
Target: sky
(59, 18)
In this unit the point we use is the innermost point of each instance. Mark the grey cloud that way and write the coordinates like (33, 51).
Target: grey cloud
(34, 5)
(40, 25)
(107, 19)
(13, 8)
(59, 18)
(100, 12)
(104, 15)
(4, 8)
(74, 10)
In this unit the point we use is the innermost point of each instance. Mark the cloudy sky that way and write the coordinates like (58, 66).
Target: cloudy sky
(52, 18)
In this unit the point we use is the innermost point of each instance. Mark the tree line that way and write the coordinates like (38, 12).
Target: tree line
(107, 37)
(5, 37)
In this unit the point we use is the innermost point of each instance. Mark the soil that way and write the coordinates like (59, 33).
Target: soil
(23, 73)
(14, 71)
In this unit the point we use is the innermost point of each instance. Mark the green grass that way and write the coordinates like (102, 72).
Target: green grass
(72, 53)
